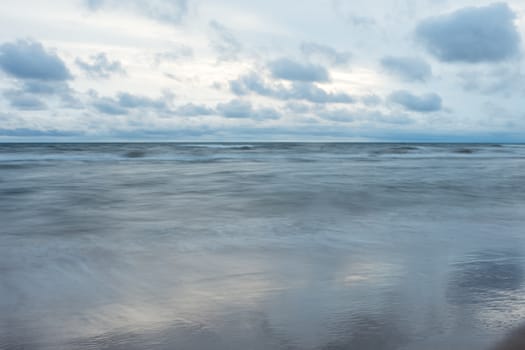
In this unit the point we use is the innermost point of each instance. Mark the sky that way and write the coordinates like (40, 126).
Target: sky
(232, 70)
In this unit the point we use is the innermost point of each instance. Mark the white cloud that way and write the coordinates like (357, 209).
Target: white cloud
(186, 66)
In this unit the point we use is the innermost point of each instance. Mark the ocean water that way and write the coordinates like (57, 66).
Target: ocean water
(261, 246)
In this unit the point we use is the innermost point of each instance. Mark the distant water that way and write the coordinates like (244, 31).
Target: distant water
(261, 246)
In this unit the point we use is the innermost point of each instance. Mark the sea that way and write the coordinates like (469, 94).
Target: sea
(252, 246)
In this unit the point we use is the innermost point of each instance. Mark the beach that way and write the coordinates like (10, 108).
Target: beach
(261, 245)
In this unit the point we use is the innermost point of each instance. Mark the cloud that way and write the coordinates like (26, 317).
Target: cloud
(45, 87)
(28, 94)
(266, 113)
(224, 42)
(472, 34)
(312, 93)
(126, 102)
(304, 72)
(297, 91)
(167, 11)
(193, 110)
(25, 59)
(238, 109)
(287, 69)
(94, 4)
(328, 53)
(100, 66)
(174, 54)
(371, 100)
(504, 81)
(407, 68)
(252, 82)
(358, 115)
(346, 10)
(22, 101)
(108, 105)
(337, 115)
(24, 132)
(298, 108)
(424, 103)
(235, 109)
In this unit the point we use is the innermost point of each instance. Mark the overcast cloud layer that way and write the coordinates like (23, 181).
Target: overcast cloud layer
(179, 70)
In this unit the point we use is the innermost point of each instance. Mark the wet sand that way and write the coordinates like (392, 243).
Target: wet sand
(365, 247)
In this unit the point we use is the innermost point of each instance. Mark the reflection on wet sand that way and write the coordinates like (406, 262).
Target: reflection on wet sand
(251, 331)
(379, 332)
(485, 275)
(486, 288)
(308, 296)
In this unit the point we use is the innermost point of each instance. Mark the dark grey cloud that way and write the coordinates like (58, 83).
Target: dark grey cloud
(407, 68)
(154, 134)
(504, 81)
(361, 115)
(71, 101)
(130, 101)
(99, 66)
(25, 59)
(23, 101)
(312, 93)
(298, 132)
(337, 115)
(29, 94)
(224, 42)
(45, 87)
(288, 69)
(23, 132)
(235, 109)
(266, 113)
(371, 100)
(57, 89)
(328, 53)
(108, 105)
(167, 11)
(384, 118)
(94, 4)
(193, 110)
(125, 102)
(297, 107)
(297, 91)
(424, 103)
(252, 82)
(472, 34)
(240, 109)
(360, 21)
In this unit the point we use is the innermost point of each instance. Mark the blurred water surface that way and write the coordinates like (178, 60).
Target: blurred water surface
(261, 246)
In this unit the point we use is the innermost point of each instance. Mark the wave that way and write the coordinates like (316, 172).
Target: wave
(398, 150)
(135, 154)
(464, 150)
(220, 146)
(273, 152)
